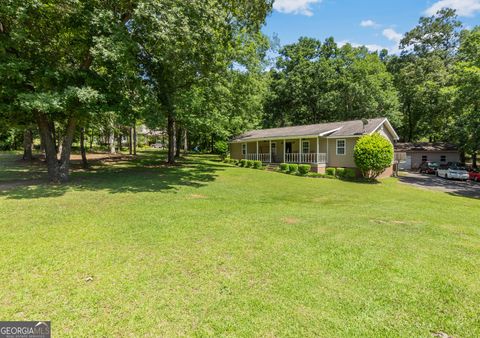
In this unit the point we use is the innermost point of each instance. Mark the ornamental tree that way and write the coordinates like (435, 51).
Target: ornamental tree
(373, 154)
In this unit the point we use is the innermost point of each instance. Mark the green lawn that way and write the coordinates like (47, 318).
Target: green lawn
(135, 248)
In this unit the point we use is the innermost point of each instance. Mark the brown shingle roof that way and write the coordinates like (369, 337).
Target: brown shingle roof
(345, 128)
(425, 146)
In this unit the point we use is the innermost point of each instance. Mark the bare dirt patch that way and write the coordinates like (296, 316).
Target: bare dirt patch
(290, 220)
(198, 196)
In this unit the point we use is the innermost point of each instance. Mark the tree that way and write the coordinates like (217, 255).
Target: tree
(184, 42)
(423, 76)
(373, 154)
(467, 79)
(315, 82)
(47, 52)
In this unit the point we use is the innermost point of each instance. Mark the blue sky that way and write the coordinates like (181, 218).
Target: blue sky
(374, 23)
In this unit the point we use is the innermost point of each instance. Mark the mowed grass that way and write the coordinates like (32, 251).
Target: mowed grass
(140, 249)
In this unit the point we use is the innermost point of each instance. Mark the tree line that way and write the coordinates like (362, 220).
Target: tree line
(430, 91)
(199, 70)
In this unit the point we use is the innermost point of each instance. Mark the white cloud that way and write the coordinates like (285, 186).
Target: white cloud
(370, 47)
(392, 35)
(463, 7)
(368, 23)
(295, 6)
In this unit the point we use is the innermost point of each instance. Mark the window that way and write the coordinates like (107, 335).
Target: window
(424, 158)
(274, 148)
(305, 147)
(341, 145)
(443, 158)
(244, 149)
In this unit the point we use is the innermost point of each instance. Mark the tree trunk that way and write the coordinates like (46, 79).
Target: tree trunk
(27, 144)
(119, 141)
(185, 141)
(48, 140)
(91, 140)
(474, 159)
(64, 169)
(111, 142)
(171, 139)
(134, 139)
(178, 142)
(130, 139)
(57, 170)
(82, 149)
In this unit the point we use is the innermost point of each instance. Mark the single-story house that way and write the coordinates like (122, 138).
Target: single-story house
(417, 153)
(321, 145)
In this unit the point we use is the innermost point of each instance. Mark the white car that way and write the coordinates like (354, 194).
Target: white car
(453, 171)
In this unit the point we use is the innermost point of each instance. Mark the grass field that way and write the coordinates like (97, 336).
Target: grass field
(136, 248)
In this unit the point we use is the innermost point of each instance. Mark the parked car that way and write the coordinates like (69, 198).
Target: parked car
(474, 175)
(453, 171)
(428, 168)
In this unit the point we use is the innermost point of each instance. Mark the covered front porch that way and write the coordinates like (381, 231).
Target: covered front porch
(301, 150)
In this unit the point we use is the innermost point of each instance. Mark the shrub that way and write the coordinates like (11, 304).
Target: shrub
(257, 164)
(283, 167)
(304, 169)
(292, 168)
(373, 154)
(330, 171)
(234, 162)
(349, 174)
(340, 172)
(221, 148)
(242, 163)
(249, 164)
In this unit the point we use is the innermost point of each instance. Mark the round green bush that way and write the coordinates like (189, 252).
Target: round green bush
(242, 163)
(249, 164)
(257, 164)
(373, 154)
(284, 167)
(330, 171)
(304, 169)
(221, 148)
(292, 168)
(340, 172)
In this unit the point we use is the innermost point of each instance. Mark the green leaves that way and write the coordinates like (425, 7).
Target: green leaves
(373, 154)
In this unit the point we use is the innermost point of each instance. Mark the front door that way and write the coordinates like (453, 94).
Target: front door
(288, 147)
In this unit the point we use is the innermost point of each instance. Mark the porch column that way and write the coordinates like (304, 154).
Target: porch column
(284, 149)
(270, 150)
(300, 146)
(327, 152)
(257, 151)
(318, 149)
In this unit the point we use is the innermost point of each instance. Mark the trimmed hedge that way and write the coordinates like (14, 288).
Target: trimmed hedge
(292, 168)
(304, 169)
(283, 167)
(340, 172)
(257, 164)
(330, 171)
(242, 163)
(249, 164)
(349, 173)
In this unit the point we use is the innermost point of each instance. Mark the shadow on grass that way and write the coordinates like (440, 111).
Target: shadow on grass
(146, 173)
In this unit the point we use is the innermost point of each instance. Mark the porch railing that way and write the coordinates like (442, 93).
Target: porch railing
(258, 157)
(306, 158)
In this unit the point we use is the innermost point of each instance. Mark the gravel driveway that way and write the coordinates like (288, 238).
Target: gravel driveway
(459, 188)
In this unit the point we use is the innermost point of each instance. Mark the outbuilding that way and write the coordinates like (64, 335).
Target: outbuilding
(417, 153)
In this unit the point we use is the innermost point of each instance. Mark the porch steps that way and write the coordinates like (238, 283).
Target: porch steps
(272, 166)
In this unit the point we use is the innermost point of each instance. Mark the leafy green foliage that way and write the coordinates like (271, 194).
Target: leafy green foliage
(304, 169)
(257, 164)
(315, 82)
(373, 154)
(283, 167)
(292, 168)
